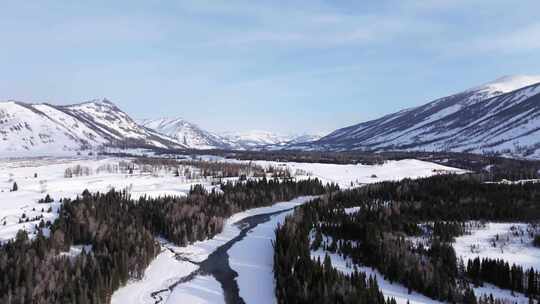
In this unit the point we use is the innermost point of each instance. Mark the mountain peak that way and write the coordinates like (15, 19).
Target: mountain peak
(98, 101)
(184, 132)
(106, 101)
(510, 83)
(37, 129)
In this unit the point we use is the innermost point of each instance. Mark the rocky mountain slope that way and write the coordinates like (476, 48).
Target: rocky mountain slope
(44, 129)
(502, 116)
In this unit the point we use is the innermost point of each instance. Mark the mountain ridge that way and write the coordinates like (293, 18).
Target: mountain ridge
(194, 137)
(46, 129)
(501, 116)
(462, 122)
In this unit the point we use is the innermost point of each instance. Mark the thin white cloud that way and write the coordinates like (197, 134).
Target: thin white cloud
(518, 40)
(523, 39)
(80, 31)
(323, 31)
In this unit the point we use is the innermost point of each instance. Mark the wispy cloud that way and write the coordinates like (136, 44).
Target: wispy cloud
(522, 39)
(518, 40)
(87, 31)
(315, 25)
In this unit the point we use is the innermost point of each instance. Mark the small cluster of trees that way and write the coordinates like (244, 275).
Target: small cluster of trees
(48, 199)
(225, 169)
(536, 240)
(25, 219)
(120, 167)
(499, 273)
(77, 171)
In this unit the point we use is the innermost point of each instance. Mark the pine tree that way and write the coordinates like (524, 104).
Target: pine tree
(469, 297)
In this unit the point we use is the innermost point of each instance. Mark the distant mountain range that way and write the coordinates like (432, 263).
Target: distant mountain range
(185, 133)
(194, 137)
(502, 117)
(28, 129)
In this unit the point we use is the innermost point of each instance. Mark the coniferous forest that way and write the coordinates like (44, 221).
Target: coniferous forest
(380, 230)
(118, 235)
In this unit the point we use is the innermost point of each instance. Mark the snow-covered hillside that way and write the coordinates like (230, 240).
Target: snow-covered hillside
(46, 129)
(305, 138)
(500, 116)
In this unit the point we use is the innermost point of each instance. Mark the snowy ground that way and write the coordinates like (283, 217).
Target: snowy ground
(202, 290)
(513, 244)
(253, 259)
(50, 180)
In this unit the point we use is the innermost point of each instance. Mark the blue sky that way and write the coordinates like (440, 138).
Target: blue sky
(284, 66)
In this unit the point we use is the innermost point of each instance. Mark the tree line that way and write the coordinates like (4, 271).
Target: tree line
(201, 214)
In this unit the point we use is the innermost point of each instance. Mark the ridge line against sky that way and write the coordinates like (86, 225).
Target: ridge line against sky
(284, 66)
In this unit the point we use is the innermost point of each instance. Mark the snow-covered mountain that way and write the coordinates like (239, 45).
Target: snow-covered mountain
(186, 133)
(305, 138)
(255, 139)
(45, 129)
(500, 116)
(194, 137)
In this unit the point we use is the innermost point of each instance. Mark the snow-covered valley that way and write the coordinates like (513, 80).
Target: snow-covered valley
(249, 257)
(188, 274)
